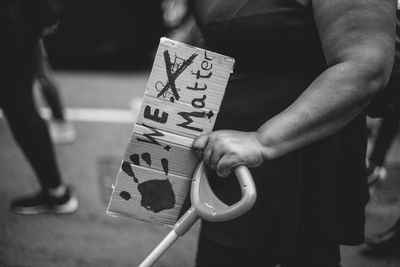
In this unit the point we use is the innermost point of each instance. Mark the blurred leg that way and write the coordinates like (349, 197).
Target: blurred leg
(28, 128)
(47, 83)
(386, 243)
(61, 130)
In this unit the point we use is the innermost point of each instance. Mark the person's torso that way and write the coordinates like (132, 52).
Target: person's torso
(262, 35)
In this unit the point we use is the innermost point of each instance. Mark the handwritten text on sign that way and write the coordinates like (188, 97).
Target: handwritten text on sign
(181, 102)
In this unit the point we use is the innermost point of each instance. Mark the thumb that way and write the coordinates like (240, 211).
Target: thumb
(199, 144)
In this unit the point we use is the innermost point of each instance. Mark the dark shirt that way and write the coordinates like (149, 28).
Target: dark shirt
(315, 195)
(278, 36)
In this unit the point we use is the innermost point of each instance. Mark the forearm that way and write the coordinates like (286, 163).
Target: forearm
(332, 100)
(357, 39)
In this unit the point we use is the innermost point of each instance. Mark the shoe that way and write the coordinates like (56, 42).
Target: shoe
(385, 243)
(43, 202)
(62, 132)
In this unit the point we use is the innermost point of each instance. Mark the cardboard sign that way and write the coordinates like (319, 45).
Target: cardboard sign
(181, 102)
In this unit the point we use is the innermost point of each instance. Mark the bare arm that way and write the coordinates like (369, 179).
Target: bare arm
(358, 42)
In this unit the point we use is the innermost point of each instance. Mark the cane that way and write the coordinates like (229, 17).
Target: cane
(206, 205)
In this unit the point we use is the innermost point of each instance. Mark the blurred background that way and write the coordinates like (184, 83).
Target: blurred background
(107, 35)
(101, 57)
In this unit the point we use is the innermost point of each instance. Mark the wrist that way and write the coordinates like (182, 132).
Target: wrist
(266, 150)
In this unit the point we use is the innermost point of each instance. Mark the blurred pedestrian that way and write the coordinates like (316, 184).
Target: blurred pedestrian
(21, 25)
(295, 105)
(62, 131)
(385, 106)
(386, 133)
(385, 243)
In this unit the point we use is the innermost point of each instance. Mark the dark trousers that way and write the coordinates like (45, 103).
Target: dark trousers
(17, 102)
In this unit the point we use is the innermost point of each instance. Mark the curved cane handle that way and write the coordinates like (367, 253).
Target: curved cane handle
(209, 207)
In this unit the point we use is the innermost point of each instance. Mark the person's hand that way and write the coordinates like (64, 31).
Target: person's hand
(225, 149)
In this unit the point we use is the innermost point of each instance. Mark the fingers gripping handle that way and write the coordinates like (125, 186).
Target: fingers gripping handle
(209, 207)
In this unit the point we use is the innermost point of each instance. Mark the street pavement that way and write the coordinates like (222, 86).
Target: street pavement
(89, 237)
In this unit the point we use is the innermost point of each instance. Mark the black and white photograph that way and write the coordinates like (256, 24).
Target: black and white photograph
(200, 133)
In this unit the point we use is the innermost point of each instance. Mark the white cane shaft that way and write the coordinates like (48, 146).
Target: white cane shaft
(160, 249)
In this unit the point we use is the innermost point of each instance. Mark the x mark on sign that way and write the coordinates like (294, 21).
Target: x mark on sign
(173, 75)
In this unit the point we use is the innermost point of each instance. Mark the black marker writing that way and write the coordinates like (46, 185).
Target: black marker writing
(135, 159)
(126, 167)
(157, 195)
(205, 56)
(172, 76)
(146, 158)
(125, 195)
(164, 163)
(199, 102)
(198, 74)
(187, 116)
(204, 65)
(150, 139)
(196, 88)
(155, 116)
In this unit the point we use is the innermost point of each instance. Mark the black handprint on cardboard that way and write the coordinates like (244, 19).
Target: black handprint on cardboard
(157, 195)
